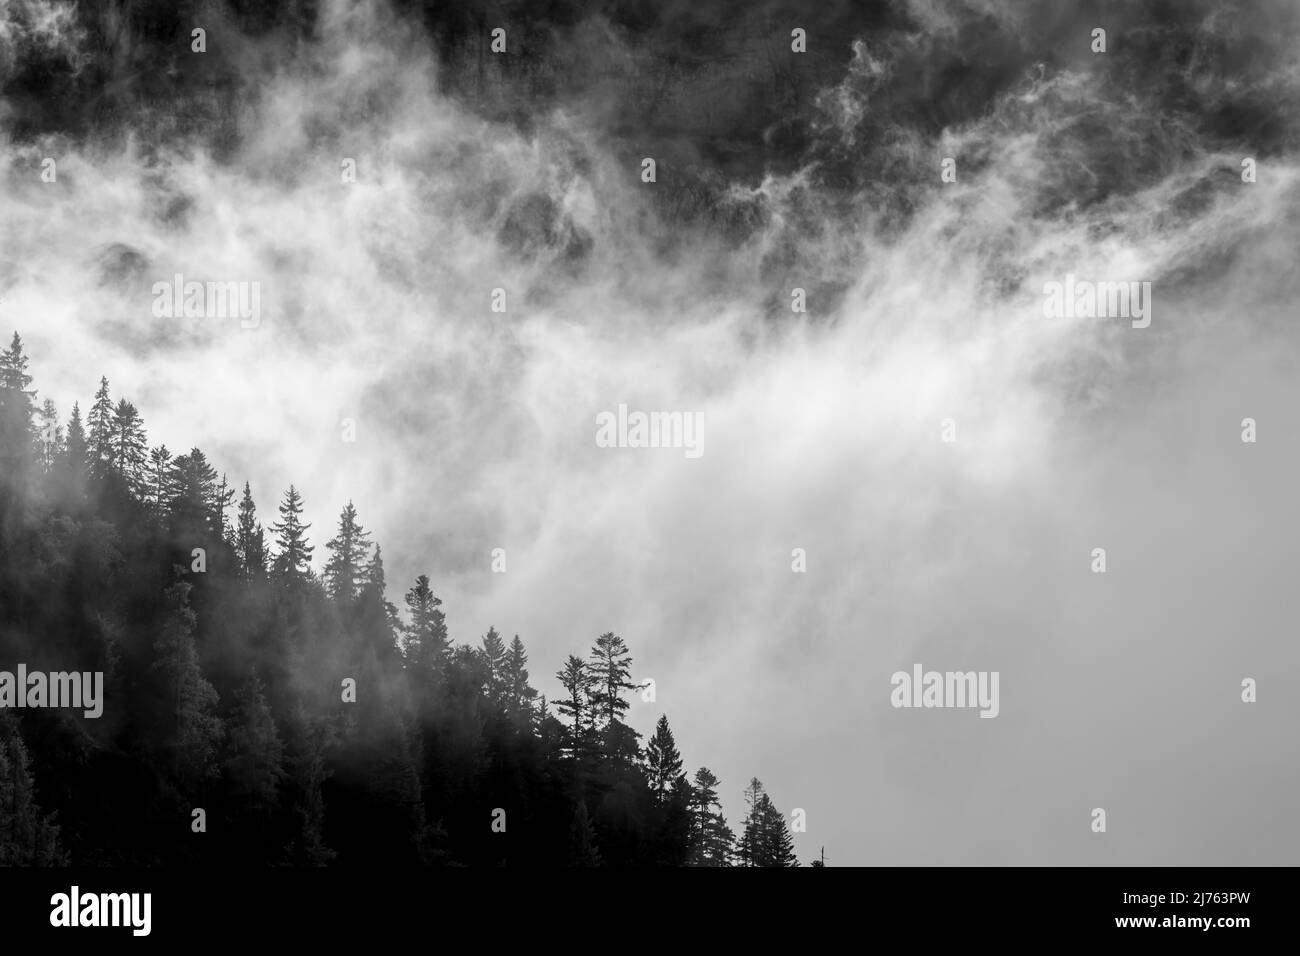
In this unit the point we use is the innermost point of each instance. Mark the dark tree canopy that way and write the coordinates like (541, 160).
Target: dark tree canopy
(319, 725)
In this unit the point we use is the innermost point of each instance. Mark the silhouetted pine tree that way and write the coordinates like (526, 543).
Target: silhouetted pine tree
(15, 382)
(17, 406)
(573, 708)
(712, 839)
(292, 563)
(778, 843)
(100, 420)
(193, 486)
(159, 481)
(663, 760)
(250, 540)
(610, 666)
(766, 840)
(494, 656)
(127, 446)
(426, 646)
(221, 502)
(750, 847)
(349, 555)
(377, 583)
(519, 695)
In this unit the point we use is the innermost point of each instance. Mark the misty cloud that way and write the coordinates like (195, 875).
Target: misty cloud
(474, 428)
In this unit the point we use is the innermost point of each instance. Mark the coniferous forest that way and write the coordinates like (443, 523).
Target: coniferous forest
(903, 389)
(313, 719)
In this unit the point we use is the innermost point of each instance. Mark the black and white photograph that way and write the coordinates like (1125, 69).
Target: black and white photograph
(649, 435)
